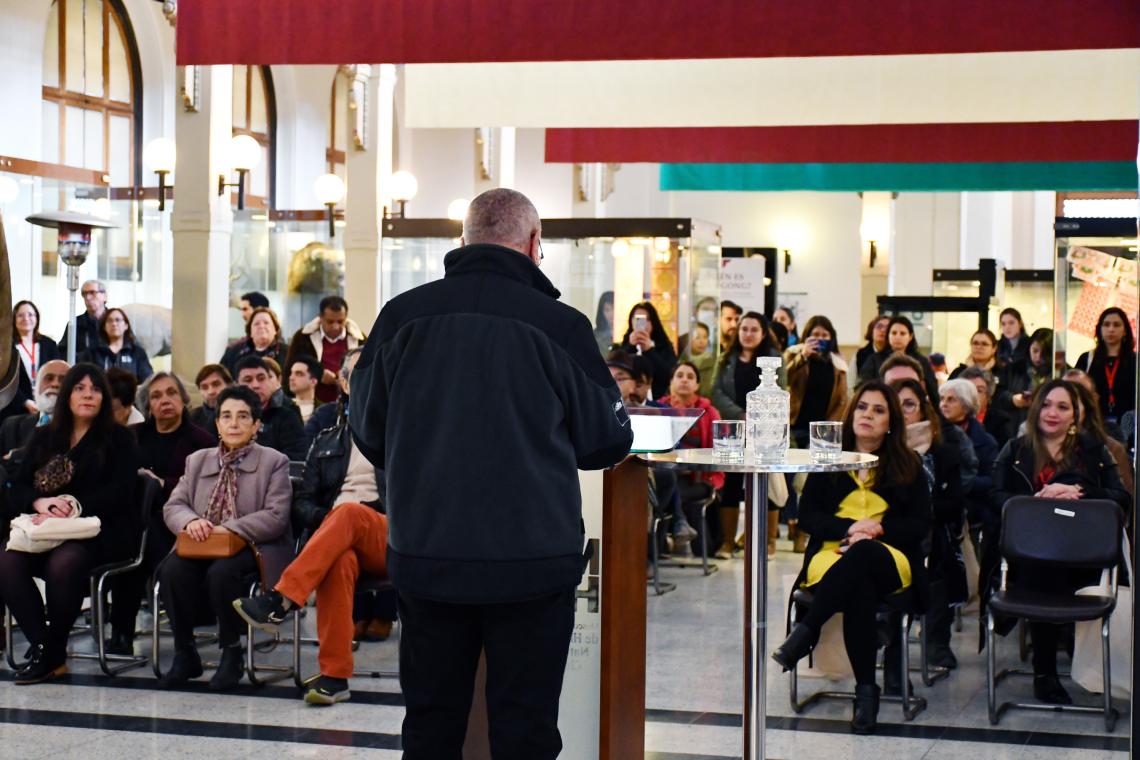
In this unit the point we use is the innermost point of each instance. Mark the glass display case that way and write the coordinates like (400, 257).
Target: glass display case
(290, 257)
(1096, 267)
(602, 267)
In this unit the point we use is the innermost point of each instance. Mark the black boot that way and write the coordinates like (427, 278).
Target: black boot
(866, 713)
(230, 669)
(892, 672)
(43, 665)
(796, 647)
(121, 643)
(187, 665)
(1047, 689)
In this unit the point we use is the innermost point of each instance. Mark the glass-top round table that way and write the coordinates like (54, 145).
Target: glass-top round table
(755, 557)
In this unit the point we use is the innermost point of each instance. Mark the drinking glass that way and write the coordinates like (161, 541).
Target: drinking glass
(825, 441)
(728, 438)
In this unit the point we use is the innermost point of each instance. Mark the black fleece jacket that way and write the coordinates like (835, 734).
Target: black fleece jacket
(481, 396)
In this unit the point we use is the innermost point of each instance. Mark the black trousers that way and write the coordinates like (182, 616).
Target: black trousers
(199, 591)
(1051, 580)
(66, 571)
(127, 590)
(855, 585)
(526, 645)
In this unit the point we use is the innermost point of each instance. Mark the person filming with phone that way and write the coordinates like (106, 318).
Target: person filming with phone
(646, 337)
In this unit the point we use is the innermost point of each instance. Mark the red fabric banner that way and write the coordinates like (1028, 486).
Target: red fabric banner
(456, 31)
(874, 143)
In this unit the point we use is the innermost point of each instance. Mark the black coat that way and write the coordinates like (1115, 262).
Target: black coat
(206, 417)
(187, 439)
(481, 396)
(104, 483)
(1008, 354)
(325, 471)
(869, 369)
(240, 349)
(25, 389)
(283, 429)
(132, 358)
(86, 335)
(15, 434)
(1092, 468)
(1123, 389)
(906, 523)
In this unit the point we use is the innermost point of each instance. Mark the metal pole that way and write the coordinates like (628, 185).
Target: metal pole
(72, 285)
(755, 616)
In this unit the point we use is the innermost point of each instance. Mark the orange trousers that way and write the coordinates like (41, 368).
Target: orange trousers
(353, 538)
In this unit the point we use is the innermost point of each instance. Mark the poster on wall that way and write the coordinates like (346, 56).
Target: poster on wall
(1107, 281)
(742, 281)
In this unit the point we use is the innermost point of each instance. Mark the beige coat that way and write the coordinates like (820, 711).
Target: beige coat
(264, 497)
(797, 368)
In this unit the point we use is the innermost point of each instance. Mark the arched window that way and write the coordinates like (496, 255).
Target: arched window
(338, 115)
(92, 89)
(255, 114)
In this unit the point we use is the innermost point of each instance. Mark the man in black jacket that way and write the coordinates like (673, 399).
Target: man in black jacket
(17, 431)
(281, 426)
(480, 396)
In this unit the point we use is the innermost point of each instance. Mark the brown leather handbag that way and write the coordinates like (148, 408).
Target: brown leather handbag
(217, 546)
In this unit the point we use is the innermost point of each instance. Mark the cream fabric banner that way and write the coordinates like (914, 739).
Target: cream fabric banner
(1066, 85)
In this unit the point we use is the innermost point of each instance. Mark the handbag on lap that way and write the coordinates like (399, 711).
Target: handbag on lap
(217, 546)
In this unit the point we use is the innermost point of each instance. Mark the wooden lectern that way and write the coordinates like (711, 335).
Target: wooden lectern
(621, 591)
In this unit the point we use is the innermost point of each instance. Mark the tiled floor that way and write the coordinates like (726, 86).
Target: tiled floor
(693, 700)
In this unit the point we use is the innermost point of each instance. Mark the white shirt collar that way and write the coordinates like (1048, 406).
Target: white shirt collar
(324, 336)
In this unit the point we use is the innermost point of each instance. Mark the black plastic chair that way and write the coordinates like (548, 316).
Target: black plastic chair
(901, 604)
(1060, 533)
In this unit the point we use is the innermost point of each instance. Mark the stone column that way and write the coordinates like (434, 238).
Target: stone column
(202, 224)
(368, 164)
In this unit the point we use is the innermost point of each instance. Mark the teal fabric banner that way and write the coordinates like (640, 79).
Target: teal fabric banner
(1065, 175)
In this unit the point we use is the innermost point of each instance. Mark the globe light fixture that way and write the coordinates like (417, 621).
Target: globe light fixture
(160, 155)
(329, 190)
(402, 186)
(244, 155)
(457, 209)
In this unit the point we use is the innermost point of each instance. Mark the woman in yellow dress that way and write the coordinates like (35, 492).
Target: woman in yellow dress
(866, 533)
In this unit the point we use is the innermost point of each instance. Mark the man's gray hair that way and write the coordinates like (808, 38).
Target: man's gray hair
(971, 373)
(98, 283)
(965, 392)
(142, 398)
(501, 217)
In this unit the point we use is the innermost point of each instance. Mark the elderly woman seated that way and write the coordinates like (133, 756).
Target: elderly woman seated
(82, 460)
(239, 487)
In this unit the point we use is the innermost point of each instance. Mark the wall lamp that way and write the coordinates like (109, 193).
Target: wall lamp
(245, 155)
(402, 186)
(160, 155)
(329, 190)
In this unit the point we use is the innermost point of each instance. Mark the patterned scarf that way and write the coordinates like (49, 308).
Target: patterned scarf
(223, 499)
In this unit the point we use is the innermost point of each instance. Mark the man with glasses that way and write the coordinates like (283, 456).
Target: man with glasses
(94, 295)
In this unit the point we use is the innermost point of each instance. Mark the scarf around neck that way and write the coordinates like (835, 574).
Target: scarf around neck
(223, 499)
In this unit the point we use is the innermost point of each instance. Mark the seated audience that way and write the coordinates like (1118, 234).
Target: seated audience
(262, 338)
(1092, 423)
(341, 504)
(239, 487)
(124, 388)
(1112, 365)
(327, 338)
(959, 405)
(34, 351)
(1054, 459)
(997, 421)
(948, 587)
(280, 425)
(81, 462)
(867, 530)
(902, 367)
(165, 439)
(304, 376)
(117, 346)
(211, 380)
(983, 354)
(692, 486)
(646, 336)
(17, 431)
